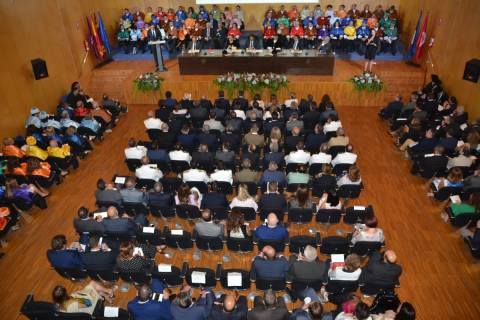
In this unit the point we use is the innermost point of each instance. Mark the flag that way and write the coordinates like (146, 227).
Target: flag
(422, 38)
(413, 43)
(103, 35)
(91, 39)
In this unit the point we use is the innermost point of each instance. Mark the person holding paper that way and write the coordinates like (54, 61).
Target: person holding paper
(152, 302)
(83, 300)
(186, 308)
(100, 256)
(86, 224)
(147, 171)
(115, 224)
(62, 257)
(131, 194)
(131, 260)
(107, 193)
(349, 272)
(369, 232)
(229, 308)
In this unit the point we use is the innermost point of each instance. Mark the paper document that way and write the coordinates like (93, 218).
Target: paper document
(234, 279)
(199, 277)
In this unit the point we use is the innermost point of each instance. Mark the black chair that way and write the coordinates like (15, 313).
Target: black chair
(292, 167)
(335, 245)
(179, 166)
(356, 214)
(37, 310)
(249, 214)
(154, 238)
(200, 185)
(314, 169)
(364, 248)
(252, 188)
(219, 213)
(279, 245)
(330, 134)
(145, 183)
(299, 285)
(134, 208)
(444, 193)
(136, 278)
(210, 279)
(328, 216)
(298, 243)
(73, 274)
(122, 315)
(182, 242)
(340, 168)
(334, 150)
(240, 245)
(266, 284)
(300, 215)
(349, 191)
(323, 184)
(372, 289)
(340, 287)
(164, 212)
(209, 243)
(225, 283)
(173, 278)
(72, 316)
(133, 164)
(188, 212)
(224, 187)
(171, 184)
(474, 250)
(154, 134)
(103, 276)
(106, 204)
(264, 212)
(293, 187)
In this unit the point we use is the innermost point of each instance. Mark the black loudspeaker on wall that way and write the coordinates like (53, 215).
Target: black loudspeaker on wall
(472, 70)
(39, 69)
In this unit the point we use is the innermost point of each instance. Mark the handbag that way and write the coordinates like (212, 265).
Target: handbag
(387, 300)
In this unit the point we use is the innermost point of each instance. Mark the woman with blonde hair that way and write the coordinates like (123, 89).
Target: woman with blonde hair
(243, 198)
(276, 135)
(352, 177)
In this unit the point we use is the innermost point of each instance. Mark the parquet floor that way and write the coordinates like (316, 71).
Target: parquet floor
(440, 278)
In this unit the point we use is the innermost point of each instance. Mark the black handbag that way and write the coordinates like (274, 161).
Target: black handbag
(387, 300)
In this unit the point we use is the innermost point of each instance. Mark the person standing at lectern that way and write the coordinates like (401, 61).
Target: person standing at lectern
(154, 35)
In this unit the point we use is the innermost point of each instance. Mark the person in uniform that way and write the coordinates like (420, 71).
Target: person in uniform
(268, 34)
(363, 33)
(390, 37)
(336, 36)
(350, 37)
(323, 37)
(311, 36)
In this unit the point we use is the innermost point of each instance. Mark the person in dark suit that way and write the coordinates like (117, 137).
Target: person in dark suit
(154, 34)
(274, 155)
(291, 142)
(240, 101)
(116, 224)
(221, 102)
(185, 308)
(166, 138)
(252, 43)
(230, 137)
(429, 166)
(267, 265)
(85, 224)
(203, 157)
(253, 155)
(146, 305)
(205, 103)
(195, 44)
(106, 192)
(227, 308)
(315, 139)
(393, 108)
(155, 154)
(311, 117)
(100, 256)
(274, 122)
(157, 197)
(187, 139)
(62, 257)
(168, 101)
(214, 199)
(449, 142)
(268, 308)
(207, 138)
(382, 269)
(198, 113)
(272, 199)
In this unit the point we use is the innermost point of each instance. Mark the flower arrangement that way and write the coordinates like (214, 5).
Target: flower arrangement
(367, 81)
(252, 82)
(148, 82)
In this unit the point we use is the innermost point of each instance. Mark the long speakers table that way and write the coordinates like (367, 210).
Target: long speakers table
(307, 62)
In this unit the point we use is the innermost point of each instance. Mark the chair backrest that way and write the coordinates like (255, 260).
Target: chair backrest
(133, 164)
(37, 310)
(374, 288)
(300, 215)
(171, 184)
(328, 215)
(172, 279)
(137, 278)
(224, 187)
(187, 211)
(154, 134)
(107, 275)
(200, 185)
(335, 244)
(145, 183)
(73, 274)
(363, 248)
(245, 279)
(134, 208)
(279, 245)
(179, 166)
(444, 193)
(349, 191)
(72, 316)
(252, 188)
(356, 214)
(183, 241)
(341, 286)
(334, 150)
(299, 285)
(165, 212)
(264, 212)
(249, 214)
(122, 315)
(274, 284)
(209, 243)
(210, 280)
(154, 238)
(340, 168)
(219, 213)
(240, 244)
(298, 243)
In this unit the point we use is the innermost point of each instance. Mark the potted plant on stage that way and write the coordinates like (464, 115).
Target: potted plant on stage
(149, 81)
(369, 82)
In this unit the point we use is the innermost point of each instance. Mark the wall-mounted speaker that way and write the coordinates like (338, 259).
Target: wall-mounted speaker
(39, 67)
(472, 70)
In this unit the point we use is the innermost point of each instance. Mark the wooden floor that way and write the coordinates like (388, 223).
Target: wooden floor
(440, 278)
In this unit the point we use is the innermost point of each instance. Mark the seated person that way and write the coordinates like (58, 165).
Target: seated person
(382, 269)
(187, 196)
(307, 266)
(131, 194)
(222, 174)
(11, 150)
(254, 137)
(203, 157)
(347, 157)
(100, 256)
(130, 260)
(86, 224)
(157, 196)
(33, 150)
(225, 154)
(272, 174)
(272, 199)
(148, 171)
(236, 226)
(186, 307)
(349, 272)
(152, 122)
(213, 198)
(107, 193)
(62, 257)
(206, 227)
(84, 300)
(322, 156)
(268, 307)
(228, 307)
(61, 156)
(454, 179)
(195, 174)
(339, 140)
(27, 194)
(178, 154)
(243, 199)
(251, 43)
(299, 176)
(116, 224)
(472, 237)
(368, 232)
(298, 156)
(272, 230)
(301, 200)
(316, 138)
(155, 154)
(144, 306)
(267, 265)
(352, 177)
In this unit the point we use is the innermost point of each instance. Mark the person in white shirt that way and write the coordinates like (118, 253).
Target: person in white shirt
(195, 174)
(322, 156)
(347, 157)
(350, 272)
(213, 124)
(151, 122)
(148, 171)
(352, 177)
(243, 198)
(134, 151)
(299, 156)
(331, 125)
(221, 174)
(179, 155)
(293, 98)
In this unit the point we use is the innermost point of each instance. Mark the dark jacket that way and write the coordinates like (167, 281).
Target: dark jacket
(88, 225)
(239, 313)
(214, 200)
(198, 311)
(66, 258)
(99, 260)
(315, 270)
(273, 201)
(278, 312)
(119, 225)
(379, 272)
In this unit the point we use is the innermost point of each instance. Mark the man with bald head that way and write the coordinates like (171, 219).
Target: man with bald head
(267, 265)
(228, 308)
(152, 303)
(152, 122)
(272, 230)
(382, 269)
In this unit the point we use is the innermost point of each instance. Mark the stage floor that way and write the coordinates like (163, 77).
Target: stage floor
(116, 79)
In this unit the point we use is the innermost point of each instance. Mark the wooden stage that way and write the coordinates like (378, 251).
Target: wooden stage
(398, 76)
(439, 275)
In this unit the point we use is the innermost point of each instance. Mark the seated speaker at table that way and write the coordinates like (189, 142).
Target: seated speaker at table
(252, 43)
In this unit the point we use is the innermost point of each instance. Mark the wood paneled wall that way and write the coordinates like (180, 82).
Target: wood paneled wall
(457, 40)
